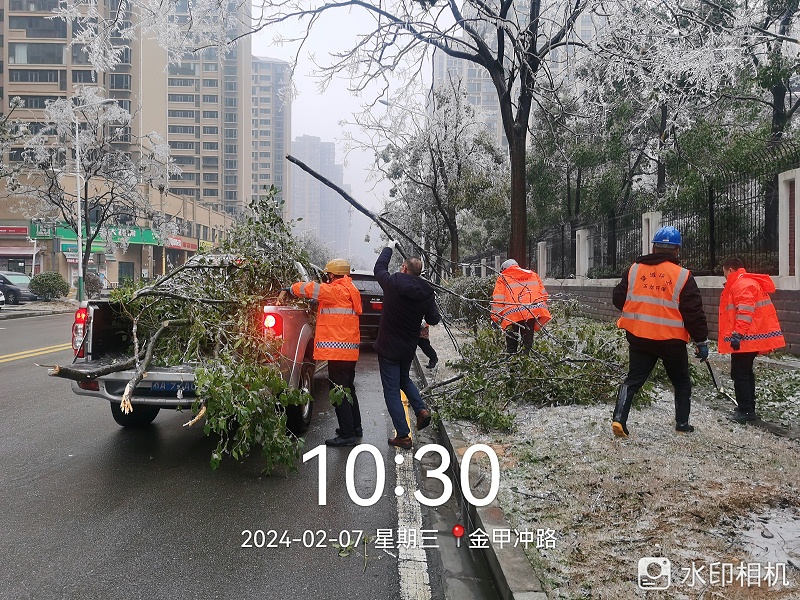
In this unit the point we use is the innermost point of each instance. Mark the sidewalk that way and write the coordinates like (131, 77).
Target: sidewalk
(37, 309)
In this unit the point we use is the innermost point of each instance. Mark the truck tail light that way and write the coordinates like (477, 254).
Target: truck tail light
(79, 330)
(376, 304)
(273, 322)
(92, 386)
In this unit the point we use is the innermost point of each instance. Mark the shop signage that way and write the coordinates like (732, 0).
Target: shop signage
(181, 243)
(13, 230)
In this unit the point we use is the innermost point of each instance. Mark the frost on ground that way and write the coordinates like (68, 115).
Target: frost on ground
(713, 496)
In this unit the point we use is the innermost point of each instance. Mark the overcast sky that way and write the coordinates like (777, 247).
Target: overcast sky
(320, 114)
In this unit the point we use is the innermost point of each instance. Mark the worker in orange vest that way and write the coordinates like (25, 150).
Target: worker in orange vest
(661, 311)
(336, 339)
(519, 305)
(748, 326)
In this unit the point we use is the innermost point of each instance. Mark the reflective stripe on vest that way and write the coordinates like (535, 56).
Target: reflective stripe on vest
(336, 311)
(337, 345)
(654, 312)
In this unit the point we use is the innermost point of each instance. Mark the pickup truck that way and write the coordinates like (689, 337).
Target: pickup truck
(97, 339)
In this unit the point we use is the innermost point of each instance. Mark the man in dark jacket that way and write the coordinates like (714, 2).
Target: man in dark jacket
(407, 298)
(661, 311)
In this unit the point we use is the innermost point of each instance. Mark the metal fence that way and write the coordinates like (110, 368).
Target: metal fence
(733, 217)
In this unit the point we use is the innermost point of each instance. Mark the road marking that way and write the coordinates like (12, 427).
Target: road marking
(412, 562)
(35, 352)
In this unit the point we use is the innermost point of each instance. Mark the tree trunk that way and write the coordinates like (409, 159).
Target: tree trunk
(518, 244)
(661, 181)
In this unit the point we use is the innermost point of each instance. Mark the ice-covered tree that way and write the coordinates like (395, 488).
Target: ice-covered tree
(449, 166)
(113, 183)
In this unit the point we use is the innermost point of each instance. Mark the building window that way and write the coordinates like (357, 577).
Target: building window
(210, 114)
(210, 177)
(183, 191)
(231, 117)
(33, 75)
(210, 83)
(120, 81)
(210, 130)
(231, 102)
(175, 82)
(180, 97)
(36, 54)
(39, 27)
(38, 101)
(181, 114)
(210, 67)
(210, 98)
(231, 134)
(265, 176)
(210, 145)
(230, 86)
(185, 129)
(181, 145)
(231, 164)
(210, 161)
(185, 160)
(83, 76)
(184, 69)
(231, 148)
(264, 154)
(210, 192)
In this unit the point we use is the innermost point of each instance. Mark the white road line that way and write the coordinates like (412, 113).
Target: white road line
(412, 563)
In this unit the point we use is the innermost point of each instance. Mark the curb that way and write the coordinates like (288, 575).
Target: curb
(511, 571)
(20, 314)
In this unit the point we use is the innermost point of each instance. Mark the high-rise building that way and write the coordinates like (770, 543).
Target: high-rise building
(201, 107)
(323, 211)
(271, 127)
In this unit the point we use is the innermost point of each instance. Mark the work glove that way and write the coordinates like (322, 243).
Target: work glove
(285, 294)
(392, 244)
(701, 351)
(736, 341)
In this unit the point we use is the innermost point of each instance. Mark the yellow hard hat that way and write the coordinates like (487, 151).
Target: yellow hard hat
(338, 266)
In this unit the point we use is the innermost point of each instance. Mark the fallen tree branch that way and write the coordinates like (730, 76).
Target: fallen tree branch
(141, 368)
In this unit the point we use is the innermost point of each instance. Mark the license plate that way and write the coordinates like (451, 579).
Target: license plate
(173, 386)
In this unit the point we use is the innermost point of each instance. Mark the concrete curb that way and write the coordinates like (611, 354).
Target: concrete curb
(511, 570)
(22, 313)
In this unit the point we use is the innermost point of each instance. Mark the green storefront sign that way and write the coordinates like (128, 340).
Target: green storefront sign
(134, 235)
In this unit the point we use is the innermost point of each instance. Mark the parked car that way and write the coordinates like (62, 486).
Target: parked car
(15, 287)
(371, 303)
(2, 300)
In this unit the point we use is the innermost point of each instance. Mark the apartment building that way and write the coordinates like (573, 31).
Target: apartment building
(271, 125)
(200, 106)
(323, 212)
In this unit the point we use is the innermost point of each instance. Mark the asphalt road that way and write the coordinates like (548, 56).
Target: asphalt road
(92, 510)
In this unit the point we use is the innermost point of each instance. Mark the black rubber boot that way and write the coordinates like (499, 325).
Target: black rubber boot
(621, 410)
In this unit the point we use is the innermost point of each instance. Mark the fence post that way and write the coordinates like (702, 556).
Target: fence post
(498, 260)
(483, 267)
(581, 253)
(712, 236)
(788, 225)
(651, 221)
(541, 259)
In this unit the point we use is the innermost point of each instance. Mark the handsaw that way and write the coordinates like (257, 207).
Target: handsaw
(720, 389)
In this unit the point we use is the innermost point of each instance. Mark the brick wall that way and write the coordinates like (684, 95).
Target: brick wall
(596, 300)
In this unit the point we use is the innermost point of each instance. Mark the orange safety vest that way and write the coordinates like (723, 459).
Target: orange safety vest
(337, 332)
(651, 306)
(745, 307)
(519, 295)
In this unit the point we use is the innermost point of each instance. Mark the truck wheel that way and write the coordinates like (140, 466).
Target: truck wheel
(298, 416)
(143, 414)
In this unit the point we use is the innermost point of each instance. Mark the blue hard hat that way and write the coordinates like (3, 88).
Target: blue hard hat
(668, 236)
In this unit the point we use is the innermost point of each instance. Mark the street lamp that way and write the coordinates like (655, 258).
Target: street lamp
(78, 178)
